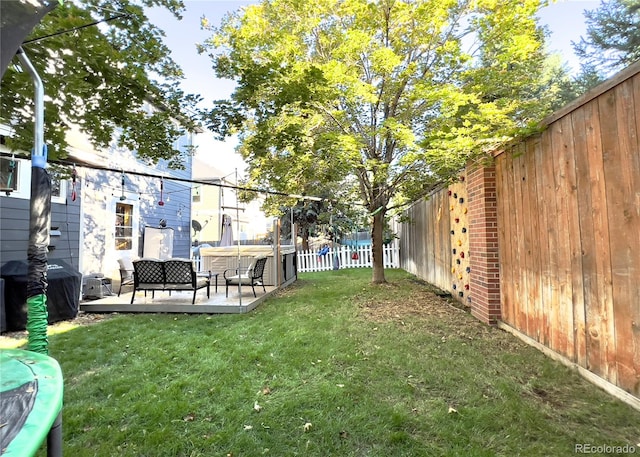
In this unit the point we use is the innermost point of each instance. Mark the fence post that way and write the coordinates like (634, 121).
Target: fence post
(483, 243)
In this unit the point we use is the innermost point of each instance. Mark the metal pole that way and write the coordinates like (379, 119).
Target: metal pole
(54, 438)
(38, 157)
(238, 235)
(335, 259)
(39, 223)
(293, 235)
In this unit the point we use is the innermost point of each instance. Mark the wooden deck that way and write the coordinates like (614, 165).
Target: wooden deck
(180, 302)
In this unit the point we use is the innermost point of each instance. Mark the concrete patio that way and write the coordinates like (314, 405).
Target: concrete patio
(180, 302)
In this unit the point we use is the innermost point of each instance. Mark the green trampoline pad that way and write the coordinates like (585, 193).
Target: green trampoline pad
(31, 389)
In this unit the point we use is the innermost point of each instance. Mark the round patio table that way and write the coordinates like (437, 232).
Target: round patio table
(31, 389)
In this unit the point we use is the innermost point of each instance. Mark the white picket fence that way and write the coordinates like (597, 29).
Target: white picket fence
(347, 258)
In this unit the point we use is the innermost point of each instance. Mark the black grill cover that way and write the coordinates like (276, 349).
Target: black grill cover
(63, 292)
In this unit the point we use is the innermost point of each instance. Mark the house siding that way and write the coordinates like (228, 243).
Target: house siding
(103, 190)
(14, 230)
(87, 225)
(176, 210)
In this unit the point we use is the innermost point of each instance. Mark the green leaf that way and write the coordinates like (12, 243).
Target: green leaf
(101, 80)
(384, 97)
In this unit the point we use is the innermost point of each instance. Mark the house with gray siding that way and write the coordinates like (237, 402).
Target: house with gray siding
(107, 220)
(14, 215)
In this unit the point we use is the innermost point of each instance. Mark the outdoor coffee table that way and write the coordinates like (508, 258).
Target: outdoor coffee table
(210, 275)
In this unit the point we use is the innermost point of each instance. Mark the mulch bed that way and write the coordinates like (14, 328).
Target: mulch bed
(82, 319)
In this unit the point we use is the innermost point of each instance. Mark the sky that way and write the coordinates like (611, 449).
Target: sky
(564, 18)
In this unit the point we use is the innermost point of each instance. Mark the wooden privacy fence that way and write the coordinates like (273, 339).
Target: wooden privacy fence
(436, 241)
(569, 233)
(425, 242)
(554, 235)
(347, 258)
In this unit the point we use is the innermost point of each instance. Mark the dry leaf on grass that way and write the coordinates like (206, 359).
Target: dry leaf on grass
(307, 426)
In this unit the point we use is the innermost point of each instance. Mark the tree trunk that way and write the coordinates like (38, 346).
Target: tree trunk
(376, 248)
(305, 238)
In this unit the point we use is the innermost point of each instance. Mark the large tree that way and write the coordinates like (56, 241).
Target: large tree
(611, 42)
(396, 94)
(612, 39)
(101, 63)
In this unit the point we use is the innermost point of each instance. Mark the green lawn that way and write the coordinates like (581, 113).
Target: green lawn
(332, 366)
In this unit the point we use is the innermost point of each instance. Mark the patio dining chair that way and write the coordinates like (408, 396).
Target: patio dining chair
(252, 276)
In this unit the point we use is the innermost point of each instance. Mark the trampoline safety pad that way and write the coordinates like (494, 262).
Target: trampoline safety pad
(31, 390)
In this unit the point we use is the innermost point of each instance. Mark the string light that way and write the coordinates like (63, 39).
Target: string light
(161, 203)
(74, 175)
(173, 178)
(122, 196)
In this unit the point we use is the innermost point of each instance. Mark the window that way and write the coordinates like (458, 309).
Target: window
(58, 189)
(124, 227)
(15, 180)
(9, 174)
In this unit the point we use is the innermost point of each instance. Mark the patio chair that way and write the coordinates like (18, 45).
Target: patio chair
(252, 276)
(126, 273)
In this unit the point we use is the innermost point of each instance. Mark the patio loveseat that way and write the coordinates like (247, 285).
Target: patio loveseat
(170, 274)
